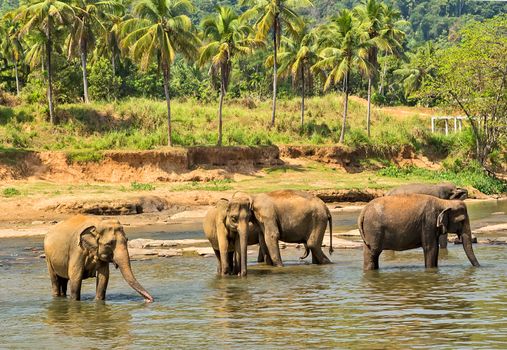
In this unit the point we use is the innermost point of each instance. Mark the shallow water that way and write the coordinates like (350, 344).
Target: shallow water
(299, 306)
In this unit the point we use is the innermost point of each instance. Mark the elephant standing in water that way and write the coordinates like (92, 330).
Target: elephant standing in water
(412, 221)
(227, 226)
(293, 217)
(442, 191)
(82, 247)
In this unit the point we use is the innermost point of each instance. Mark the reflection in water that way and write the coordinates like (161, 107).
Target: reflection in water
(299, 306)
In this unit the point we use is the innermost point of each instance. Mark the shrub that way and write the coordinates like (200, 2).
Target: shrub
(10, 192)
(138, 186)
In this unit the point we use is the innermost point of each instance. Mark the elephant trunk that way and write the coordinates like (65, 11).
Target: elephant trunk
(466, 236)
(121, 258)
(243, 243)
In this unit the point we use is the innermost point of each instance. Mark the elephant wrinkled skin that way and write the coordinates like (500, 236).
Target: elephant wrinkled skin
(82, 247)
(412, 221)
(443, 191)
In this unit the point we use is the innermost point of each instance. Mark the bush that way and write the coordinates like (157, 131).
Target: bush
(82, 157)
(10, 192)
(103, 84)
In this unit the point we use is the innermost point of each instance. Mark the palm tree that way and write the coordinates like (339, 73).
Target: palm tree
(160, 30)
(11, 47)
(274, 16)
(380, 22)
(419, 67)
(296, 57)
(82, 34)
(44, 16)
(110, 42)
(228, 36)
(346, 48)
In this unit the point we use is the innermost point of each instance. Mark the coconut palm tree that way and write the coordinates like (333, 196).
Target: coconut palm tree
(82, 36)
(44, 16)
(11, 46)
(296, 57)
(381, 23)
(275, 16)
(160, 29)
(228, 35)
(346, 47)
(109, 44)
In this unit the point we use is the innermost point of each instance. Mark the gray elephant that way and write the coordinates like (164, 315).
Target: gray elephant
(82, 247)
(293, 217)
(226, 225)
(412, 221)
(443, 191)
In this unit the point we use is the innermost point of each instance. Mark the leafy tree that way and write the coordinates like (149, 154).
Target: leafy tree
(160, 29)
(472, 76)
(228, 35)
(346, 48)
(82, 36)
(296, 58)
(43, 17)
(104, 85)
(11, 46)
(274, 16)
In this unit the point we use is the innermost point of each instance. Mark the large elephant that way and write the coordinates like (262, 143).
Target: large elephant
(293, 217)
(226, 225)
(412, 221)
(82, 247)
(443, 191)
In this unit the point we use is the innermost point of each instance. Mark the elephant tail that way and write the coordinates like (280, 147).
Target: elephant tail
(360, 221)
(307, 252)
(330, 220)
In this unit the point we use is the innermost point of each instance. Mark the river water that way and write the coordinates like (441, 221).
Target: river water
(299, 306)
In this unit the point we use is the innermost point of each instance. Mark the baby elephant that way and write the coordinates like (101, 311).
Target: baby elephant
(225, 226)
(82, 247)
(412, 221)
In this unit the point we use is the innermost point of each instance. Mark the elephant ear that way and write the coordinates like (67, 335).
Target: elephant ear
(88, 239)
(443, 220)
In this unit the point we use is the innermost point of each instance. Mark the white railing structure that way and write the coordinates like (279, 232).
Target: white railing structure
(458, 123)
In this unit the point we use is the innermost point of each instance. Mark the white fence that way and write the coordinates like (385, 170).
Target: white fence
(456, 122)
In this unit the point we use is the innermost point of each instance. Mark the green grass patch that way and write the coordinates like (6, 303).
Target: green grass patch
(214, 185)
(139, 186)
(10, 192)
(82, 157)
(470, 175)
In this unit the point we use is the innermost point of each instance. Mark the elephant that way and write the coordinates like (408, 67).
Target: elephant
(443, 191)
(82, 247)
(411, 221)
(224, 225)
(292, 217)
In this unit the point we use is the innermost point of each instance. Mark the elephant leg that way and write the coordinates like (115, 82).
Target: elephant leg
(263, 249)
(63, 285)
(102, 280)
(234, 262)
(431, 256)
(76, 278)
(55, 282)
(314, 243)
(219, 266)
(442, 239)
(271, 237)
(370, 258)
(260, 256)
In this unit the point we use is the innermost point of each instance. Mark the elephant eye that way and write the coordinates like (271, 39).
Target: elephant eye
(234, 218)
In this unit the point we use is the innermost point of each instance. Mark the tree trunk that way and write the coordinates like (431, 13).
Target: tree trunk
(220, 104)
(275, 63)
(18, 90)
(368, 113)
(168, 101)
(113, 64)
(85, 73)
(50, 77)
(302, 98)
(345, 108)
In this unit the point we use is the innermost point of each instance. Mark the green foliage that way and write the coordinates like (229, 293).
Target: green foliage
(471, 174)
(10, 192)
(139, 186)
(213, 185)
(84, 156)
(104, 85)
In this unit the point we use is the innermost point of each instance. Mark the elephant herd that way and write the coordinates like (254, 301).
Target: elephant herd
(411, 216)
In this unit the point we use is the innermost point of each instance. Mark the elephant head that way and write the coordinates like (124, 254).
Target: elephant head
(454, 218)
(239, 213)
(107, 243)
(459, 193)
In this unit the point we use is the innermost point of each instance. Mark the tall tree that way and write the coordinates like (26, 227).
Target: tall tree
(82, 36)
(44, 16)
(160, 30)
(346, 47)
(11, 45)
(296, 57)
(228, 35)
(381, 23)
(276, 15)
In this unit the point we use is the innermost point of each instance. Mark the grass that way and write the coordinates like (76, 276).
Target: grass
(10, 192)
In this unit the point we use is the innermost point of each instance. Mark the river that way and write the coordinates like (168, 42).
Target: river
(299, 306)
